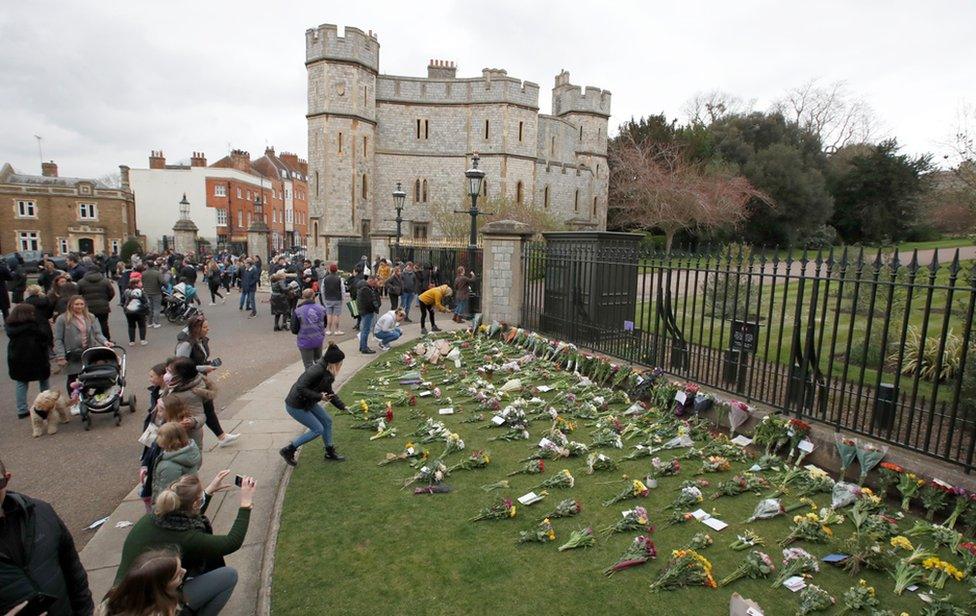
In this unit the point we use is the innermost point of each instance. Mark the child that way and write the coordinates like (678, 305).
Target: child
(48, 407)
(179, 455)
(160, 412)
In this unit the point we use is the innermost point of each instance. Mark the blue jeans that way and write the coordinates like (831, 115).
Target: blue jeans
(247, 301)
(406, 300)
(390, 336)
(21, 395)
(461, 307)
(365, 327)
(318, 422)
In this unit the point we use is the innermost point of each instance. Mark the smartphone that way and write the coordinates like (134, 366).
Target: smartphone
(239, 481)
(37, 605)
(216, 363)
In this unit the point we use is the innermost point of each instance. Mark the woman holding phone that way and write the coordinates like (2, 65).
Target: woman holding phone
(193, 342)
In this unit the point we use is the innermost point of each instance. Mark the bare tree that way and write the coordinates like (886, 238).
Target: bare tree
(653, 186)
(829, 111)
(456, 227)
(112, 180)
(964, 146)
(708, 107)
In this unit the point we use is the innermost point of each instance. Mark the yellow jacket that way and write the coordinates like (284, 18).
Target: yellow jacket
(384, 272)
(435, 296)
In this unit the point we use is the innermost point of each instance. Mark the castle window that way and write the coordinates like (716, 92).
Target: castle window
(518, 193)
(87, 211)
(484, 188)
(416, 191)
(424, 192)
(316, 185)
(364, 186)
(486, 129)
(340, 143)
(594, 207)
(576, 201)
(552, 147)
(315, 232)
(420, 230)
(364, 95)
(364, 145)
(598, 170)
(426, 128)
(581, 132)
(418, 128)
(520, 131)
(545, 197)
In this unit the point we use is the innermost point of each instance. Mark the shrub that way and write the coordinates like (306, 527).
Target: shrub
(129, 248)
(725, 295)
(823, 236)
(874, 356)
(921, 358)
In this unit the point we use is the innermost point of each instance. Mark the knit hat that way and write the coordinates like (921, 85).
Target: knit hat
(333, 355)
(135, 276)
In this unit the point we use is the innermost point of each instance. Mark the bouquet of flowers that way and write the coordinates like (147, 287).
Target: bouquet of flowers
(796, 561)
(599, 462)
(757, 566)
(409, 451)
(532, 467)
(739, 413)
(640, 550)
(939, 571)
(888, 477)
(714, 464)
(562, 479)
(906, 571)
(772, 432)
(640, 451)
(684, 568)
(634, 489)
(772, 507)
(498, 485)
(633, 519)
(577, 449)
(797, 430)
(847, 450)
(746, 540)
(503, 509)
(566, 508)
(580, 538)
(687, 497)
(967, 550)
(858, 598)
(700, 541)
(933, 496)
(869, 456)
(515, 433)
(453, 443)
(665, 469)
(813, 482)
(606, 438)
(814, 599)
(543, 533)
(430, 474)
(740, 484)
(940, 535)
(843, 494)
(808, 527)
(962, 500)
(477, 459)
(908, 486)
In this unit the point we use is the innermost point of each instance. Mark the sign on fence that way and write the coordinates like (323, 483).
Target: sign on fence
(745, 336)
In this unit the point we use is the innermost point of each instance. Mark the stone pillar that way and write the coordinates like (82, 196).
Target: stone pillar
(502, 284)
(257, 240)
(380, 243)
(185, 236)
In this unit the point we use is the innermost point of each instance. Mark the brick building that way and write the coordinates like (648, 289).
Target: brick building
(222, 197)
(62, 215)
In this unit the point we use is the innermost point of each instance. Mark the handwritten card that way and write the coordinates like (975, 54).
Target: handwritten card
(805, 445)
(795, 583)
(530, 498)
(742, 440)
(543, 389)
(425, 393)
(498, 420)
(700, 514)
(680, 397)
(714, 523)
(447, 411)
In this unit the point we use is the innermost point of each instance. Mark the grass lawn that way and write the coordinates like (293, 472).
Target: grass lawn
(352, 542)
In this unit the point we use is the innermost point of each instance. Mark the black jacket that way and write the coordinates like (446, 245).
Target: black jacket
(50, 566)
(394, 284)
(44, 309)
(367, 300)
(409, 282)
(27, 352)
(98, 292)
(308, 389)
(332, 288)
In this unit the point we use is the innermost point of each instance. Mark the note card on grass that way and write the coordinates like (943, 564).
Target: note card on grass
(795, 583)
(742, 440)
(424, 393)
(448, 411)
(528, 499)
(498, 420)
(543, 388)
(805, 445)
(714, 523)
(680, 397)
(700, 514)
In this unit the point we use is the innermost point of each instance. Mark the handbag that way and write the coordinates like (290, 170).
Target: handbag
(149, 436)
(353, 307)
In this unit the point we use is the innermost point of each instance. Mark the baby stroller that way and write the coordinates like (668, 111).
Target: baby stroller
(179, 305)
(102, 381)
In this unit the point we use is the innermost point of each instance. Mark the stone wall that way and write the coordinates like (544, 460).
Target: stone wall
(501, 280)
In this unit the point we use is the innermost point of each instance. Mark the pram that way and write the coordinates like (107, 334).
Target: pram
(180, 305)
(102, 381)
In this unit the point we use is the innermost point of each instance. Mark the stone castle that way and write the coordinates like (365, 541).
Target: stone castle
(368, 131)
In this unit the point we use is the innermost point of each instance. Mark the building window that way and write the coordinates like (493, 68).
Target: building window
(552, 147)
(29, 240)
(63, 245)
(581, 132)
(115, 247)
(340, 143)
(423, 192)
(249, 218)
(598, 170)
(418, 128)
(26, 209)
(365, 141)
(426, 129)
(576, 201)
(518, 193)
(484, 188)
(420, 230)
(365, 187)
(364, 228)
(416, 191)
(486, 129)
(423, 129)
(238, 192)
(240, 218)
(364, 95)
(220, 190)
(520, 132)
(545, 197)
(222, 218)
(249, 196)
(316, 183)
(315, 232)
(594, 207)
(87, 211)
(274, 215)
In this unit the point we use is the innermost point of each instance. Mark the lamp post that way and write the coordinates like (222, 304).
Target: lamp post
(398, 197)
(476, 178)
(184, 208)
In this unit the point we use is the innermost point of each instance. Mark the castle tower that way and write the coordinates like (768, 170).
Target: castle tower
(589, 110)
(342, 72)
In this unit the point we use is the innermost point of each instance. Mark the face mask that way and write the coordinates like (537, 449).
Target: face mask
(167, 378)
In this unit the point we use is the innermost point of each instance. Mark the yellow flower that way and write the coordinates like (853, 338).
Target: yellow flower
(797, 518)
(826, 530)
(902, 542)
(511, 511)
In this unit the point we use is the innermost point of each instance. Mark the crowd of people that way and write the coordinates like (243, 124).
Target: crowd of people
(172, 560)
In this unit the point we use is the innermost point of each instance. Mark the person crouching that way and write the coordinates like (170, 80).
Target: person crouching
(387, 328)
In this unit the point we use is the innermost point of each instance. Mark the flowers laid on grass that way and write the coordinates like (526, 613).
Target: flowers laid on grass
(859, 597)
(847, 450)
(635, 489)
(814, 599)
(772, 432)
(532, 467)
(961, 501)
(410, 451)
(477, 459)
(543, 533)
(757, 566)
(498, 485)
(933, 496)
(908, 486)
(797, 430)
(566, 508)
(599, 462)
(688, 496)
(684, 568)
(739, 413)
(939, 571)
(562, 479)
(810, 527)
(772, 507)
(700, 541)
(580, 538)
(940, 535)
(630, 520)
(740, 484)
(907, 570)
(665, 469)
(453, 443)
(502, 509)
(431, 473)
(715, 464)
(746, 540)
(889, 474)
(796, 561)
(640, 550)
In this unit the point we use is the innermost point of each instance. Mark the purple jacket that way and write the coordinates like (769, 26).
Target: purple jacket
(309, 324)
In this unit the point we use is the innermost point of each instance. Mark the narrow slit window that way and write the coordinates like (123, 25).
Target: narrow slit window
(576, 201)
(520, 131)
(426, 129)
(418, 128)
(424, 194)
(365, 187)
(486, 129)
(416, 191)
(581, 132)
(518, 193)
(545, 197)
(340, 143)
(594, 207)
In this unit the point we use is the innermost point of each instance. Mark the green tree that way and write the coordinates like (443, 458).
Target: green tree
(878, 193)
(129, 248)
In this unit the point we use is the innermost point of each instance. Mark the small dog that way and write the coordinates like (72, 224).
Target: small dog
(48, 407)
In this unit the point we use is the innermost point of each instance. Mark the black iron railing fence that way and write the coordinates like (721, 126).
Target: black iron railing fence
(877, 343)
(446, 258)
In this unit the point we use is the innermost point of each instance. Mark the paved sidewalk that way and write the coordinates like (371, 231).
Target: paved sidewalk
(259, 416)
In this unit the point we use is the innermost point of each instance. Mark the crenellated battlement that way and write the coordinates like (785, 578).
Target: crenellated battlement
(569, 98)
(354, 45)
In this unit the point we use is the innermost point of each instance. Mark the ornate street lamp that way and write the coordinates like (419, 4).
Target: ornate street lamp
(476, 178)
(184, 208)
(398, 197)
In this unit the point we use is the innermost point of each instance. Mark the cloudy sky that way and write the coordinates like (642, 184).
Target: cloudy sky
(105, 82)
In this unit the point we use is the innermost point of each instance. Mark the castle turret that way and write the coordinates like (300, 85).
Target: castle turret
(342, 71)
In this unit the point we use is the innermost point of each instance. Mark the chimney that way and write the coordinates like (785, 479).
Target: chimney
(198, 160)
(124, 176)
(441, 69)
(269, 151)
(157, 160)
(49, 169)
(241, 160)
(290, 160)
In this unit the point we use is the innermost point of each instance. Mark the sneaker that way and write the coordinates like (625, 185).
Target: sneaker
(384, 347)
(423, 331)
(143, 342)
(407, 320)
(132, 344)
(367, 351)
(252, 316)
(212, 304)
(434, 328)
(229, 438)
